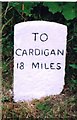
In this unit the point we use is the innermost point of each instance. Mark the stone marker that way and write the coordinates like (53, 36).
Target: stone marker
(39, 59)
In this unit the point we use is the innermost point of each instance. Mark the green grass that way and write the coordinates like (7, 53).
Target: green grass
(52, 107)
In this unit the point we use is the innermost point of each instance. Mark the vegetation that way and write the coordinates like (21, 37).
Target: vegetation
(61, 106)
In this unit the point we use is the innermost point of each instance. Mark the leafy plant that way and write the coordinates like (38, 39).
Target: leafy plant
(61, 12)
(53, 6)
(75, 49)
(67, 9)
(24, 7)
(73, 85)
(74, 66)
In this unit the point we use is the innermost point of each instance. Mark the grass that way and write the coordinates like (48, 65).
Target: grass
(61, 106)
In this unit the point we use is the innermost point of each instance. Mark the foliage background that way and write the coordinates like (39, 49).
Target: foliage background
(60, 12)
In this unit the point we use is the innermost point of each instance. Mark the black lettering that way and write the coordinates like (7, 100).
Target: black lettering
(21, 65)
(58, 66)
(60, 52)
(35, 65)
(24, 52)
(51, 65)
(18, 51)
(35, 36)
(46, 66)
(46, 53)
(37, 52)
(41, 66)
(41, 52)
(30, 51)
(43, 39)
(53, 52)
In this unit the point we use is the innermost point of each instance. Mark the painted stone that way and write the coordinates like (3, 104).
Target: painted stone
(39, 59)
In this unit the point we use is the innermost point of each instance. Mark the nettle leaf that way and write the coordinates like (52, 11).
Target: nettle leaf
(73, 66)
(69, 11)
(53, 6)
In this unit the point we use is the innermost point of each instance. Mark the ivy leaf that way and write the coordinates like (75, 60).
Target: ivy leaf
(69, 11)
(27, 8)
(53, 6)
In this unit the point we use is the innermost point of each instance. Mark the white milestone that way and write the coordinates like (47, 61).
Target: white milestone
(39, 59)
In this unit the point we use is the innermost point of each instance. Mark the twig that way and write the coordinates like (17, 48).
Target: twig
(6, 24)
(6, 9)
(20, 14)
